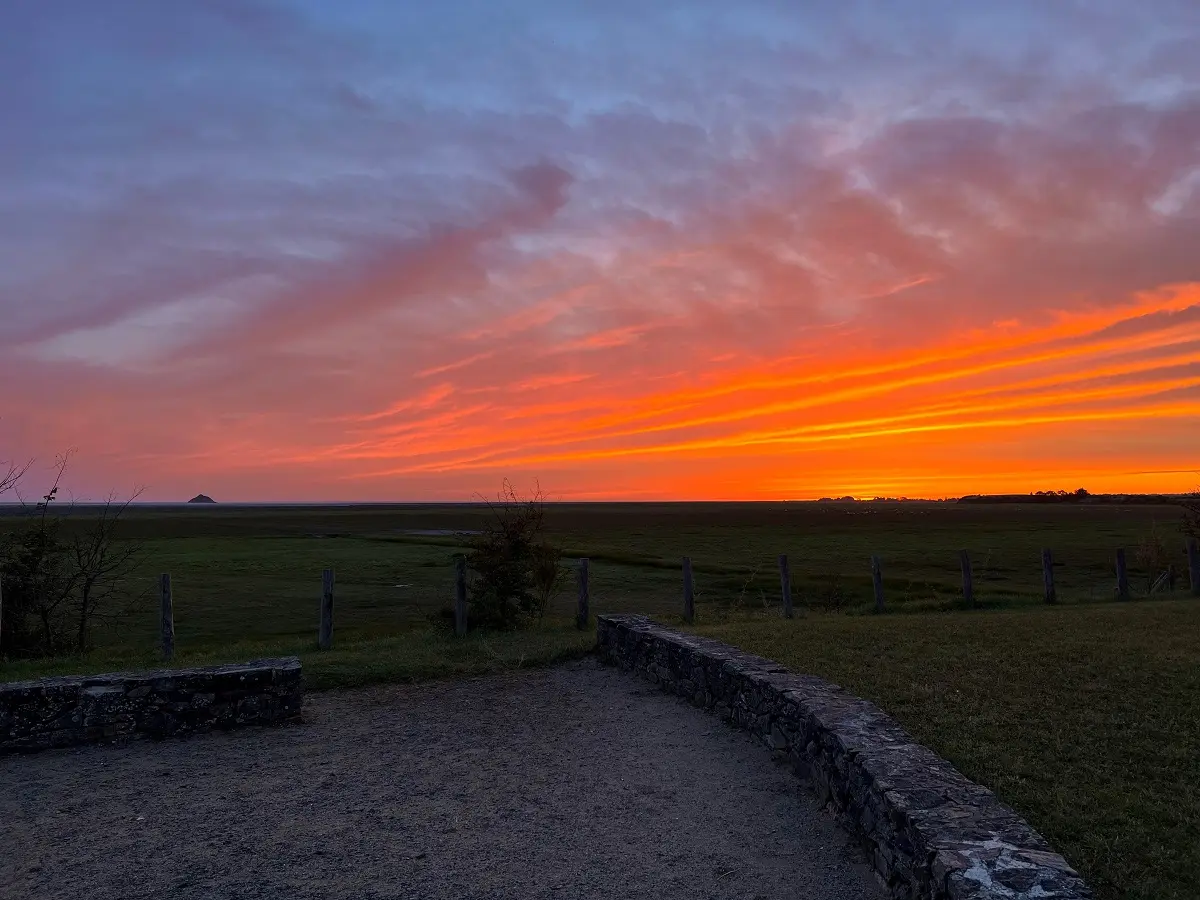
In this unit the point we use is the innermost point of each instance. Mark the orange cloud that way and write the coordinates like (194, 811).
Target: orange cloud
(950, 305)
(1092, 368)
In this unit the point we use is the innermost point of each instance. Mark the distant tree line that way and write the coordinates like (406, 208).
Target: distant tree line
(1078, 496)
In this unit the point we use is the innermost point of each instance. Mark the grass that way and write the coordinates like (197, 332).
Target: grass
(249, 576)
(418, 654)
(1085, 719)
(254, 573)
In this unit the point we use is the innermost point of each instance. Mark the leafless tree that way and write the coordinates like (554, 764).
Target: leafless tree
(41, 579)
(64, 578)
(101, 566)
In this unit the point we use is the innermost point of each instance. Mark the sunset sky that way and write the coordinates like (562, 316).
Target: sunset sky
(387, 250)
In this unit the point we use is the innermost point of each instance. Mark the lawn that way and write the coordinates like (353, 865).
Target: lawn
(1085, 719)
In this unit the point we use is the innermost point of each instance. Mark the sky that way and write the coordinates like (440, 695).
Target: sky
(377, 250)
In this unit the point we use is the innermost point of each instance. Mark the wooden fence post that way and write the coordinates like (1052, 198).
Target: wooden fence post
(877, 583)
(689, 599)
(964, 560)
(1193, 555)
(581, 613)
(1048, 576)
(325, 630)
(785, 584)
(1, 618)
(167, 617)
(1171, 577)
(1122, 576)
(460, 596)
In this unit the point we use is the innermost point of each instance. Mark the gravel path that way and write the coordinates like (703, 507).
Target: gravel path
(573, 782)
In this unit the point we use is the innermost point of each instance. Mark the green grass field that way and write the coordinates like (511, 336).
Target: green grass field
(254, 574)
(1085, 716)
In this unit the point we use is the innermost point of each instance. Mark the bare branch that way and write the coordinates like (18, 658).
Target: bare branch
(517, 570)
(11, 474)
(64, 579)
(101, 564)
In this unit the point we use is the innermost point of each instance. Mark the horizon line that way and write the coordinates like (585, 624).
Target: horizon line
(845, 498)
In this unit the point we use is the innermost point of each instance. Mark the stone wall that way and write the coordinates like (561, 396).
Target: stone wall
(61, 712)
(929, 832)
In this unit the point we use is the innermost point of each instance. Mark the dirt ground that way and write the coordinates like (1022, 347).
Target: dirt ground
(574, 782)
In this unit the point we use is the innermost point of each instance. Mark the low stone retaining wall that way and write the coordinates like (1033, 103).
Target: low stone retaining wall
(82, 709)
(930, 832)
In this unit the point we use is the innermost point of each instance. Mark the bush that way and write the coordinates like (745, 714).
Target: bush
(1191, 515)
(37, 583)
(830, 594)
(517, 571)
(55, 586)
(1152, 555)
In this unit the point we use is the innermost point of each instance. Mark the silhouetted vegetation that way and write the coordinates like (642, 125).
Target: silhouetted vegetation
(517, 571)
(1153, 556)
(1191, 515)
(1080, 495)
(57, 583)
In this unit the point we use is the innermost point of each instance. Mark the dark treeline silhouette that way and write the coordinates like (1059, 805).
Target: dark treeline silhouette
(1078, 496)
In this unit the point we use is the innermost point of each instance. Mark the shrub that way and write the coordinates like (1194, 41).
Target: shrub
(829, 593)
(57, 585)
(516, 570)
(1191, 515)
(1152, 555)
(37, 583)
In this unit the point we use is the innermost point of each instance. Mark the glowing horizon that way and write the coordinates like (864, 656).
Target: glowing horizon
(305, 253)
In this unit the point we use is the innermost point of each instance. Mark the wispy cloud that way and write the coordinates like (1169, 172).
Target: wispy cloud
(453, 366)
